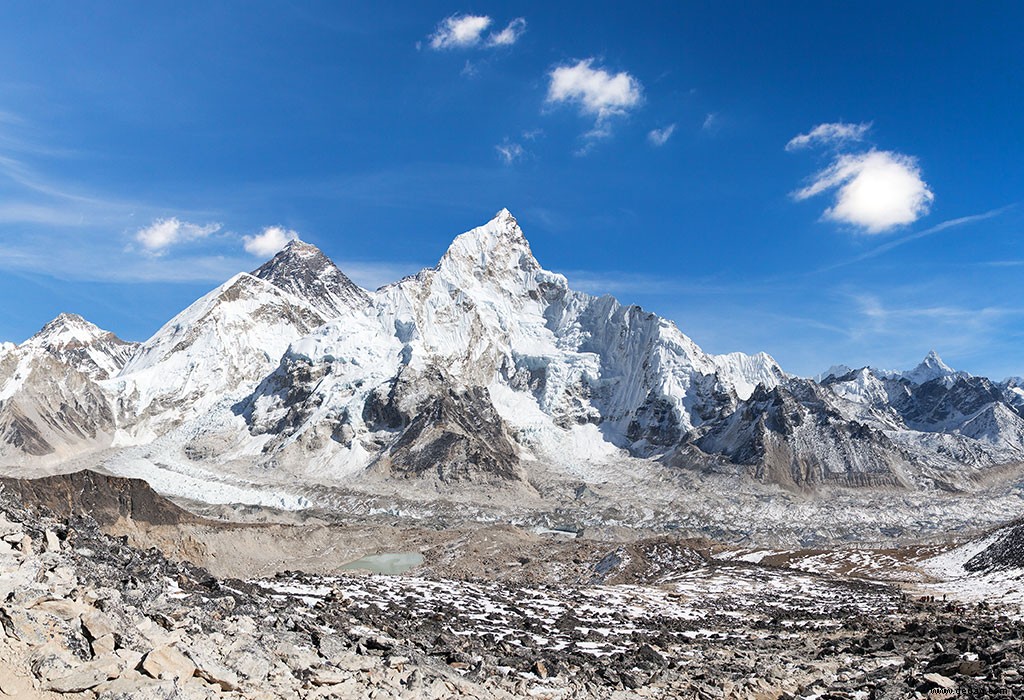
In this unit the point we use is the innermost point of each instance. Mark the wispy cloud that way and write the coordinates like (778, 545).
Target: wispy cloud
(1003, 263)
(509, 152)
(459, 31)
(659, 137)
(890, 245)
(46, 215)
(32, 197)
(165, 233)
(93, 264)
(509, 35)
(467, 31)
(616, 282)
(831, 134)
(875, 191)
(597, 92)
(910, 329)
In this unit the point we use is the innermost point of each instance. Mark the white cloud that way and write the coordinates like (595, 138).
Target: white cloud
(829, 134)
(659, 137)
(164, 233)
(460, 31)
(597, 92)
(466, 31)
(509, 35)
(876, 191)
(711, 122)
(269, 241)
(510, 152)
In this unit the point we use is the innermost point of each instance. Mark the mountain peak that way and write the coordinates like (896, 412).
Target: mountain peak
(931, 367)
(303, 270)
(833, 372)
(295, 251)
(499, 245)
(301, 249)
(68, 328)
(82, 345)
(504, 218)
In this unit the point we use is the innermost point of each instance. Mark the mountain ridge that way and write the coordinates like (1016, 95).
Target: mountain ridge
(479, 370)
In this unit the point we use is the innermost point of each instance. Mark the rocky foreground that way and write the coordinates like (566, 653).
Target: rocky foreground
(84, 615)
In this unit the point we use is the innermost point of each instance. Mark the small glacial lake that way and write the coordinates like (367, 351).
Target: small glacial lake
(391, 564)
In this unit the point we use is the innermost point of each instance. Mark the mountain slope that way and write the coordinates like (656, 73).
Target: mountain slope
(51, 404)
(944, 416)
(211, 352)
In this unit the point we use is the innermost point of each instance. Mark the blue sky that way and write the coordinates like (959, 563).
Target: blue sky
(825, 182)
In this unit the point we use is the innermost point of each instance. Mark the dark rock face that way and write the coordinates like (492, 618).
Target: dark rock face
(792, 435)
(103, 498)
(293, 383)
(381, 410)
(655, 422)
(457, 435)
(18, 430)
(304, 271)
(1007, 552)
(935, 405)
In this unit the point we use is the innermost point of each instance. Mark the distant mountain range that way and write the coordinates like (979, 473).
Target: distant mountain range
(475, 371)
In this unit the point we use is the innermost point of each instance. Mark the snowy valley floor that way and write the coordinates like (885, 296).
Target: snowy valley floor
(493, 611)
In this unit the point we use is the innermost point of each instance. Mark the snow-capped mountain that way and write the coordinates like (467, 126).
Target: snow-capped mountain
(466, 365)
(932, 368)
(72, 340)
(484, 369)
(50, 399)
(793, 434)
(211, 353)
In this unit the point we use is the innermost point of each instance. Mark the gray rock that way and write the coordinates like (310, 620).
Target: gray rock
(167, 662)
(210, 669)
(85, 677)
(940, 680)
(97, 624)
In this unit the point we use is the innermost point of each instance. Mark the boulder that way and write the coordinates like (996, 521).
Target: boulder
(85, 677)
(97, 625)
(167, 662)
(104, 646)
(212, 670)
